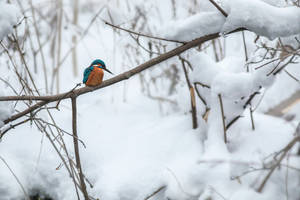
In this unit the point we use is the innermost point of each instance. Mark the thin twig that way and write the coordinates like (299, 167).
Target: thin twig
(252, 119)
(13, 126)
(248, 102)
(192, 95)
(219, 8)
(155, 192)
(245, 49)
(202, 84)
(59, 37)
(284, 151)
(64, 58)
(223, 117)
(283, 66)
(141, 34)
(76, 148)
(39, 44)
(199, 95)
(232, 121)
(292, 76)
(60, 129)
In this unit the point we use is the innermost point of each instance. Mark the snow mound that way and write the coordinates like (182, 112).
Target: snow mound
(8, 18)
(256, 16)
(262, 18)
(195, 26)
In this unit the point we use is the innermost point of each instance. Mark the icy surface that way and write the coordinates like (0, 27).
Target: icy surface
(8, 18)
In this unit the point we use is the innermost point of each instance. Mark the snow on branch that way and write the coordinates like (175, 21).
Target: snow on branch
(262, 18)
(255, 15)
(8, 18)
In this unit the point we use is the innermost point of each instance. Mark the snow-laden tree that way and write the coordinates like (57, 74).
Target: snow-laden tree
(210, 110)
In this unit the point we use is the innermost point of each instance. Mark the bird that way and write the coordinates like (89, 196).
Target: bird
(93, 75)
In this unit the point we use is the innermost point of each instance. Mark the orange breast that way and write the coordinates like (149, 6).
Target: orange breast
(95, 77)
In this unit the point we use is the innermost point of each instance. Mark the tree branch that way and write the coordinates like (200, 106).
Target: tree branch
(284, 151)
(76, 148)
(219, 8)
(223, 117)
(124, 76)
(284, 106)
(192, 94)
(141, 34)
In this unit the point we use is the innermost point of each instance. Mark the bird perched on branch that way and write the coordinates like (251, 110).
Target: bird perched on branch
(93, 75)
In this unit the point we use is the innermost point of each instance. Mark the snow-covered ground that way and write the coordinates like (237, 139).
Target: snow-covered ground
(136, 145)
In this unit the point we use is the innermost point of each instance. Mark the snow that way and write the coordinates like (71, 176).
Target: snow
(134, 144)
(262, 18)
(256, 16)
(205, 68)
(8, 18)
(6, 109)
(195, 26)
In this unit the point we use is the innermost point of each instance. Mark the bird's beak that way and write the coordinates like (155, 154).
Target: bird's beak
(108, 71)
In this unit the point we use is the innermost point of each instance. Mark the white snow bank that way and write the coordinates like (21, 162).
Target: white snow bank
(8, 18)
(262, 18)
(205, 68)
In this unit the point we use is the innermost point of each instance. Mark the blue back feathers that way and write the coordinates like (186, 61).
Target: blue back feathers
(88, 70)
(86, 73)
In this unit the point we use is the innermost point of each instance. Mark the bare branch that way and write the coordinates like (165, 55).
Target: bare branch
(76, 148)
(219, 8)
(284, 151)
(192, 94)
(12, 127)
(124, 76)
(284, 106)
(223, 117)
(155, 192)
(141, 34)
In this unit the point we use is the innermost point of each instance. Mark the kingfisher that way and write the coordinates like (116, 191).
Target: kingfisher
(93, 75)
